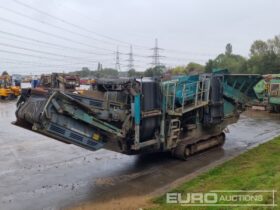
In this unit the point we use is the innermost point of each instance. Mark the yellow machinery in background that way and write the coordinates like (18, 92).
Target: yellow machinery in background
(9, 87)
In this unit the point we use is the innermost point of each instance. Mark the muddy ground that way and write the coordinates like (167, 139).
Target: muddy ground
(40, 173)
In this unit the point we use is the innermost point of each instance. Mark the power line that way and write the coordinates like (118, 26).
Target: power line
(20, 62)
(42, 52)
(38, 64)
(189, 53)
(98, 34)
(117, 64)
(62, 46)
(156, 49)
(99, 66)
(36, 56)
(29, 55)
(185, 59)
(16, 65)
(130, 59)
(94, 20)
(55, 26)
(53, 46)
(51, 34)
(68, 23)
(156, 56)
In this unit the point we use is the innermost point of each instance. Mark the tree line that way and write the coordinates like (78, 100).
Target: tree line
(264, 58)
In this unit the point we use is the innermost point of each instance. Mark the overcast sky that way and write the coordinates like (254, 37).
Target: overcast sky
(38, 36)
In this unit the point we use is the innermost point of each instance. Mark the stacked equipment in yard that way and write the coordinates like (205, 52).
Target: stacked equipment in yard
(59, 81)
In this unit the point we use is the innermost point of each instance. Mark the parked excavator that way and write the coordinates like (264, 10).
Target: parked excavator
(183, 115)
(10, 87)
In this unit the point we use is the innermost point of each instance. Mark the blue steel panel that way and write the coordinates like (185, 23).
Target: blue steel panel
(137, 109)
(74, 137)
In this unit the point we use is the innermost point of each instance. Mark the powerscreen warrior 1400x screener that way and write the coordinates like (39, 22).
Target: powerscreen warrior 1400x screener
(183, 115)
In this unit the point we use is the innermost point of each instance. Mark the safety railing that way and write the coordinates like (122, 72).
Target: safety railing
(184, 97)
